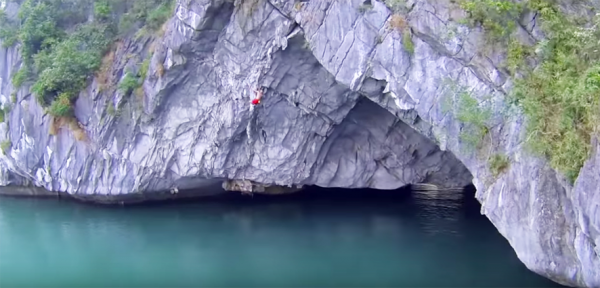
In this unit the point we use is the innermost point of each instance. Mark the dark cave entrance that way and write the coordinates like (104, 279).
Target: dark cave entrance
(461, 199)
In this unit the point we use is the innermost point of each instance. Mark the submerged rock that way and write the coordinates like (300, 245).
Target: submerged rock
(347, 103)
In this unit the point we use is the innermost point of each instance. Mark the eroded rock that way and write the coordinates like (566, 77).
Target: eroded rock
(346, 105)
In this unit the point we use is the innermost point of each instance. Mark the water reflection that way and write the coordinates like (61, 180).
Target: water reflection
(334, 240)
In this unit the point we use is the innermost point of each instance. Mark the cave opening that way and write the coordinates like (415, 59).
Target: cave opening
(411, 197)
(339, 137)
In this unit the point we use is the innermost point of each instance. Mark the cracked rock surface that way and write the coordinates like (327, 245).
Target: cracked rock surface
(345, 105)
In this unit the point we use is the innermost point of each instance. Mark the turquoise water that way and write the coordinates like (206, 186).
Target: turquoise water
(339, 238)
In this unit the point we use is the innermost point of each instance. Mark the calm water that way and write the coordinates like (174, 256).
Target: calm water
(292, 241)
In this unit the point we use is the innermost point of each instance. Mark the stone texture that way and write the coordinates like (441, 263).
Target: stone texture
(345, 106)
(584, 200)
(195, 126)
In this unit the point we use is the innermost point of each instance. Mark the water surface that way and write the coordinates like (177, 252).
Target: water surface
(339, 238)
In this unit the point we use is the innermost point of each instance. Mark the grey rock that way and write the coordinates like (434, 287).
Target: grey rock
(585, 202)
(345, 106)
(194, 124)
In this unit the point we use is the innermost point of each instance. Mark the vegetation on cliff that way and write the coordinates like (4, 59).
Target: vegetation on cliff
(560, 94)
(467, 109)
(62, 43)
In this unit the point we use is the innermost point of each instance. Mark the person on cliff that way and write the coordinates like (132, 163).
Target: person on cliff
(259, 94)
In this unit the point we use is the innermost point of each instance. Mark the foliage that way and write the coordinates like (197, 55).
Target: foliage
(145, 66)
(61, 49)
(150, 13)
(5, 145)
(407, 42)
(133, 82)
(19, 77)
(497, 17)
(498, 163)
(468, 111)
(126, 23)
(39, 28)
(157, 17)
(58, 63)
(561, 96)
(2, 115)
(73, 62)
(396, 5)
(61, 107)
(8, 30)
(129, 83)
(516, 55)
(398, 23)
(102, 10)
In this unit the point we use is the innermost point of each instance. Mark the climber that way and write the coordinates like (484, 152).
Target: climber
(259, 93)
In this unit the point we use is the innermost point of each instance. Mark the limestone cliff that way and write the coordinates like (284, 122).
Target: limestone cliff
(350, 101)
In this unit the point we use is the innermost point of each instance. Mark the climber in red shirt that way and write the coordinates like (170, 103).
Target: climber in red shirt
(259, 93)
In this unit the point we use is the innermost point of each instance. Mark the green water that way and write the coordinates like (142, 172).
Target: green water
(299, 241)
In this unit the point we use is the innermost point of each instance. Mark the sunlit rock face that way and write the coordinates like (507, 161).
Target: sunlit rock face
(195, 126)
(346, 104)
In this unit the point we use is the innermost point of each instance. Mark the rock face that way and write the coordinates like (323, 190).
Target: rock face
(346, 104)
(195, 124)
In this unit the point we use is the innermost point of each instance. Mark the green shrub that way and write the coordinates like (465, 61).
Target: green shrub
(158, 16)
(407, 42)
(102, 10)
(129, 83)
(2, 115)
(150, 13)
(141, 33)
(43, 60)
(59, 63)
(19, 77)
(144, 67)
(468, 111)
(39, 28)
(62, 50)
(8, 30)
(126, 23)
(497, 17)
(73, 62)
(561, 97)
(396, 5)
(516, 55)
(61, 107)
(498, 163)
(5, 146)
